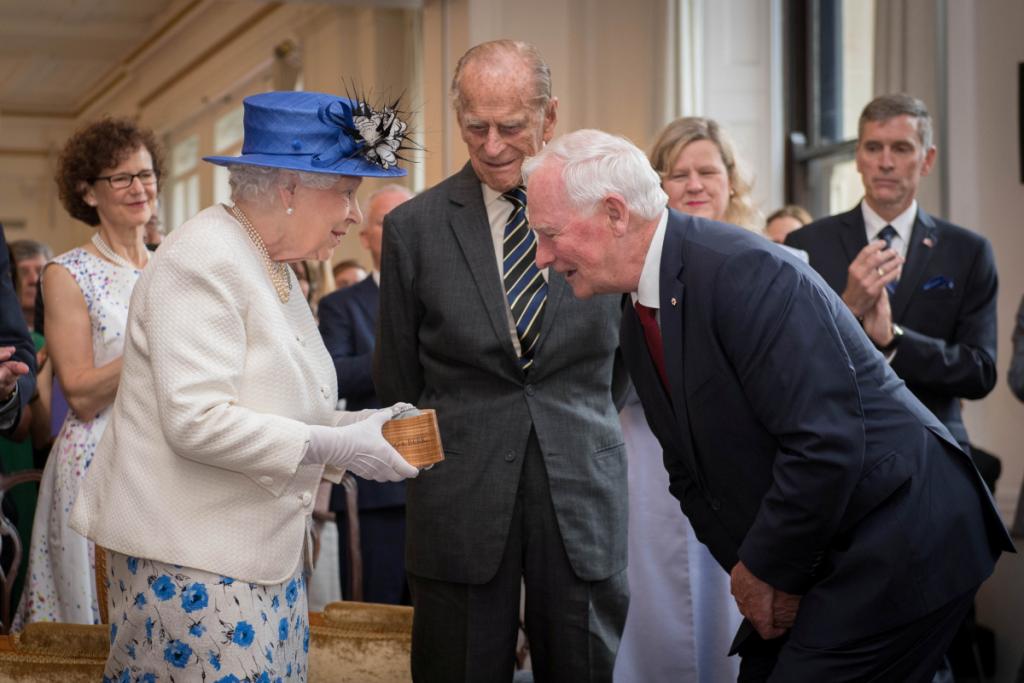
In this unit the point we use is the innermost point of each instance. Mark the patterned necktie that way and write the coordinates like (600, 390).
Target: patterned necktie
(524, 284)
(887, 234)
(652, 333)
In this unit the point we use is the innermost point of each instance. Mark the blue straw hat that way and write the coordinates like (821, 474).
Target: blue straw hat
(319, 133)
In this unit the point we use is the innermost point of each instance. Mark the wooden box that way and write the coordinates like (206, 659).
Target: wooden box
(416, 437)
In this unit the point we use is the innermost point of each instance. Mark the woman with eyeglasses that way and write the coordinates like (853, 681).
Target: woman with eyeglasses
(107, 178)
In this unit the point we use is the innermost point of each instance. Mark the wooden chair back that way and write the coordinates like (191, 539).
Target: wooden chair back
(9, 534)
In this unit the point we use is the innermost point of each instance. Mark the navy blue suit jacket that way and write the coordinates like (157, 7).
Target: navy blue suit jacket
(348, 319)
(14, 332)
(945, 303)
(792, 445)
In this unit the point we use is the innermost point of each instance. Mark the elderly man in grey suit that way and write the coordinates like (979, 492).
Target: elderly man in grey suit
(533, 485)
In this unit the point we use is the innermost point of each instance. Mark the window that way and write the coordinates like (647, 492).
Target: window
(829, 71)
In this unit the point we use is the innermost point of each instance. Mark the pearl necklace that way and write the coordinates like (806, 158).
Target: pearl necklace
(278, 272)
(111, 255)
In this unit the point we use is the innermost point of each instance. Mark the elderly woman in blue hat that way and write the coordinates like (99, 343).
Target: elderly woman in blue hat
(201, 490)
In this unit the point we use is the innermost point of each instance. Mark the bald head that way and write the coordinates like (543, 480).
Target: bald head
(380, 205)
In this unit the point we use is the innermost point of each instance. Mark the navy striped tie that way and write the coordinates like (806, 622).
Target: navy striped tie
(524, 285)
(887, 234)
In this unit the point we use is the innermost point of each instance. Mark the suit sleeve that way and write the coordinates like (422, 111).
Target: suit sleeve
(14, 332)
(780, 335)
(964, 365)
(354, 370)
(397, 373)
(1016, 374)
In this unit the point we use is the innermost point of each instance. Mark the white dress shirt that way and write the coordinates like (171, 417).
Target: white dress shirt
(647, 292)
(904, 225)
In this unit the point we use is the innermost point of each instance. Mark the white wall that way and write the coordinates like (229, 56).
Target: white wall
(986, 194)
(742, 87)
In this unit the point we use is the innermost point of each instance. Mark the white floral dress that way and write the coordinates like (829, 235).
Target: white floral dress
(60, 584)
(171, 623)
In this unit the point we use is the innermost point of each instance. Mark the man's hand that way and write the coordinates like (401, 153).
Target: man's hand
(756, 601)
(868, 274)
(10, 371)
(877, 321)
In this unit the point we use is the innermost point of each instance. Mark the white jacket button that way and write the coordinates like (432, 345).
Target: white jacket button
(307, 498)
(266, 481)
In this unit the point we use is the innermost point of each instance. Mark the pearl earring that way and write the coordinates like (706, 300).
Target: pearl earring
(289, 211)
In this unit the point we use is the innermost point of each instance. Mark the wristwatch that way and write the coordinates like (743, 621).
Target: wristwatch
(897, 337)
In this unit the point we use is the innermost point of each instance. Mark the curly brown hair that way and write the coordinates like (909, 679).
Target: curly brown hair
(93, 149)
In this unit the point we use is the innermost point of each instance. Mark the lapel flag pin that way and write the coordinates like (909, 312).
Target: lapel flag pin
(928, 242)
(674, 301)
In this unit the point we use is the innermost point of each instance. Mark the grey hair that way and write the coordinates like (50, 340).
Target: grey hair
(255, 183)
(885, 107)
(26, 249)
(491, 53)
(391, 187)
(598, 164)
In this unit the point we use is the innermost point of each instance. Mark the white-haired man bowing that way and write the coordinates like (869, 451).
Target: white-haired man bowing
(801, 459)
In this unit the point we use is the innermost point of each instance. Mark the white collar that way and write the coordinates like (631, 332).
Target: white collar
(903, 223)
(647, 291)
(491, 195)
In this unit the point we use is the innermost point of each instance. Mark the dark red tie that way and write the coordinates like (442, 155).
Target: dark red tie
(652, 333)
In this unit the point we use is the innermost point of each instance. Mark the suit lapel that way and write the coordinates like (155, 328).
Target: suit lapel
(853, 235)
(471, 227)
(671, 309)
(368, 297)
(557, 288)
(923, 239)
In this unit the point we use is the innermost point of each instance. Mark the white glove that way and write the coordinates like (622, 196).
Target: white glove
(360, 448)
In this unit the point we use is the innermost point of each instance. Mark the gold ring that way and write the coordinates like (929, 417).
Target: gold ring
(880, 271)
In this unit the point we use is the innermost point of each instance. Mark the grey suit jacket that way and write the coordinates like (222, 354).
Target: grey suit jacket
(443, 342)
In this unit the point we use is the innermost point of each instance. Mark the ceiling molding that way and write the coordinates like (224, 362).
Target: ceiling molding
(35, 153)
(230, 37)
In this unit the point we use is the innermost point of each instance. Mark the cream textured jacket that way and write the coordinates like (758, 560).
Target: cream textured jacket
(200, 465)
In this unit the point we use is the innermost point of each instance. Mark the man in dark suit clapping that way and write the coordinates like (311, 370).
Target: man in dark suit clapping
(348, 318)
(923, 289)
(815, 477)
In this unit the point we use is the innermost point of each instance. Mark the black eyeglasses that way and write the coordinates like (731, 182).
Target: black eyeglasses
(120, 181)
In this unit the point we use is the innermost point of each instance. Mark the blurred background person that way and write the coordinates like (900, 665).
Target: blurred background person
(688, 636)
(348, 321)
(154, 234)
(107, 177)
(702, 174)
(209, 528)
(27, 259)
(29, 444)
(347, 273)
(301, 270)
(788, 219)
(1015, 377)
(784, 221)
(17, 386)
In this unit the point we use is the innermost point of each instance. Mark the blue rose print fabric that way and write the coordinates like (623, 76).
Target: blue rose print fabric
(171, 623)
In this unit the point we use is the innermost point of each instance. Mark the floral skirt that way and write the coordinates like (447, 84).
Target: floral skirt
(173, 623)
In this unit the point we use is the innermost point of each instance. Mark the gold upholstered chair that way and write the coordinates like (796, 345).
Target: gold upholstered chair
(350, 642)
